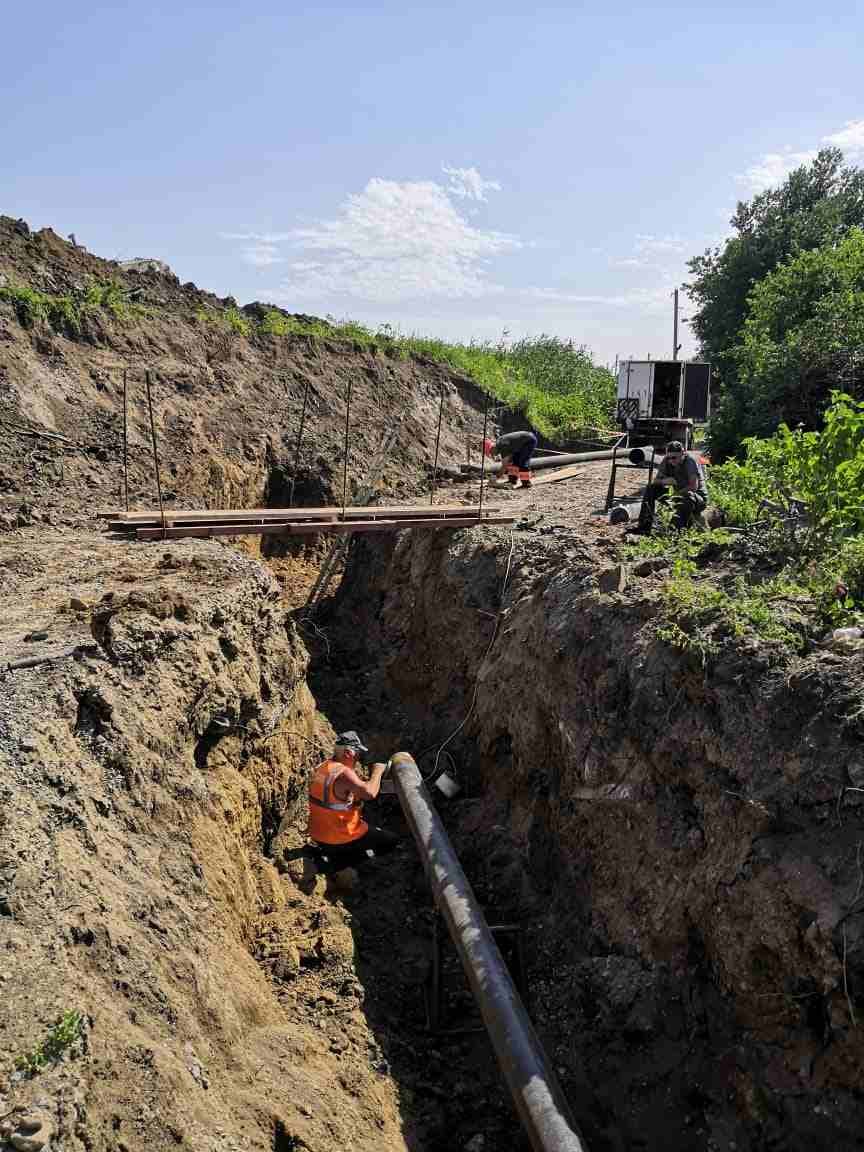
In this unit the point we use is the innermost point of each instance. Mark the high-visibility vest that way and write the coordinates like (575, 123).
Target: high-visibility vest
(333, 821)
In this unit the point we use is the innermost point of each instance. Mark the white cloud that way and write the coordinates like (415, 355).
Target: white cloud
(261, 255)
(655, 299)
(659, 245)
(467, 182)
(257, 237)
(392, 241)
(652, 252)
(850, 139)
(772, 169)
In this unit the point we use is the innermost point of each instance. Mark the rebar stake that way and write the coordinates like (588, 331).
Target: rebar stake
(125, 444)
(437, 446)
(155, 451)
(345, 455)
(299, 442)
(483, 454)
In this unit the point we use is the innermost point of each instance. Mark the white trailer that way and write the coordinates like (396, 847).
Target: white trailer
(664, 390)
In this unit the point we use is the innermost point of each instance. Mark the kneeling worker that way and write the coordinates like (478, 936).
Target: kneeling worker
(336, 796)
(516, 450)
(681, 475)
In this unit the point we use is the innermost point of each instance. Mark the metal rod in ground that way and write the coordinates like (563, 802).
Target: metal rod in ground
(345, 458)
(125, 442)
(299, 443)
(437, 446)
(155, 448)
(539, 1100)
(483, 453)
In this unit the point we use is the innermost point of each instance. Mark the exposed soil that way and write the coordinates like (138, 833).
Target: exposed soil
(227, 409)
(681, 844)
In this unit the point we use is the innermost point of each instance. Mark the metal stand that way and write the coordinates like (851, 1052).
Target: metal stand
(508, 937)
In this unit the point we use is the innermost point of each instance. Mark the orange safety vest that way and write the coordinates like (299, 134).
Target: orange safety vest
(333, 821)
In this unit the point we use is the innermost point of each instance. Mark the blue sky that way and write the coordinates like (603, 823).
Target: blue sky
(456, 169)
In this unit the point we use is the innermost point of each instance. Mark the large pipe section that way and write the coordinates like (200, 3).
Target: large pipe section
(540, 1103)
(645, 455)
(538, 462)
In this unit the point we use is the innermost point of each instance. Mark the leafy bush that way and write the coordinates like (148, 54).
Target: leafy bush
(813, 209)
(803, 337)
(66, 1032)
(824, 469)
(64, 313)
(693, 607)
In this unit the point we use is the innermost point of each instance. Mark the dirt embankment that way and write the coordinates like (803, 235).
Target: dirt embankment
(227, 405)
(682, 839)
(142, 782)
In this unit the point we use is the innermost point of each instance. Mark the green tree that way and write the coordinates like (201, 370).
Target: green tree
(815, 206)
(803, 337)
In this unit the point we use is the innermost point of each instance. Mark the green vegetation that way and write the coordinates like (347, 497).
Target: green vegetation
(797, 500)
(779, 304)
(554, 382)
(65, 1033)
(65, 314)
(804, 335)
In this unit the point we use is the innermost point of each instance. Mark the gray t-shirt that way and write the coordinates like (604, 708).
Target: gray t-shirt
(687, 468)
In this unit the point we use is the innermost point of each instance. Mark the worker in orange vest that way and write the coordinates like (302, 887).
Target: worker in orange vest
(515, 451)
(336, 796)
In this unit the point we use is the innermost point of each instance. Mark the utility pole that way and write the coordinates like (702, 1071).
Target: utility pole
(676, 347)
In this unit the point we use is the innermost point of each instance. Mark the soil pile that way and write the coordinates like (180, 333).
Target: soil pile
(227, 397)
(145, 766)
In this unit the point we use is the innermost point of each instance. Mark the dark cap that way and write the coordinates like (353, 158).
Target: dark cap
(352, 741)
(675, 446)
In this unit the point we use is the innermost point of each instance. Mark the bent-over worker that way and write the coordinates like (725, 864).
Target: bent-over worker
(516, 450)
(336, 796)
(681, 477)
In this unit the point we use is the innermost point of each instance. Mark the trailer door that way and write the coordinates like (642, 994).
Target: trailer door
(697, 392)
(634, 381)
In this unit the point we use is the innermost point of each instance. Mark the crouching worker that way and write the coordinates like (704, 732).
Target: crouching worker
(336, 796)
(681, 479)
(516, 450)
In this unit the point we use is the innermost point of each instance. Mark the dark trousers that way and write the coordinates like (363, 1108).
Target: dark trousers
(377, 840)
(687, 506)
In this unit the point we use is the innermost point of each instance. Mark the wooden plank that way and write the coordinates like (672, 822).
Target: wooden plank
(204, 531)
(232, 515)
(561, 474)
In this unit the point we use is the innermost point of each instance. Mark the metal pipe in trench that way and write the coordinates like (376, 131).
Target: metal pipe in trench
(539, 1101)
(538, 462)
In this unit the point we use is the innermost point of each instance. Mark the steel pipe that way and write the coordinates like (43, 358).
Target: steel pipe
(538, 462)
(645, 455)
(540, 1103)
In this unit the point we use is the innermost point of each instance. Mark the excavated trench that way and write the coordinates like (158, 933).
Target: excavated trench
(676, 844)
(680, 845)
